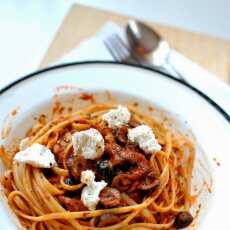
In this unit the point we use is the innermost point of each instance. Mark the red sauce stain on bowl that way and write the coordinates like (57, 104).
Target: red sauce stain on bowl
(42, 119)
(150, 108)
(14, 112)
(87, 97)
(65, 87)
(135, 104)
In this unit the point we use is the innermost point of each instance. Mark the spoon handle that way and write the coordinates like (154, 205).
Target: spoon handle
(172, 70)
(166, 67)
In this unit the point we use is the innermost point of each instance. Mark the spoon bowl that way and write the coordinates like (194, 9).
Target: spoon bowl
(143, 39)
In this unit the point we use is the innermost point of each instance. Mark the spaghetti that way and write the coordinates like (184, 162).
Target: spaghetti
(145, 191)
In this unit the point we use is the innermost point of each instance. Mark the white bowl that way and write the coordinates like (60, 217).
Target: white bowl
(190, 111)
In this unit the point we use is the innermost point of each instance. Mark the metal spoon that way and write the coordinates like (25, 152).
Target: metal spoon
(150, 46)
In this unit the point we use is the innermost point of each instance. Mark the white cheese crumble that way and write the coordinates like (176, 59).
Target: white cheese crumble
(89, 143)
(24, 143)
(145, 138)
(90, 193)
(117, 117)
(87, 177)
(36, 155)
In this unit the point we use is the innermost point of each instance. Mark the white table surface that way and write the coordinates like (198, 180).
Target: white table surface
(28, 27)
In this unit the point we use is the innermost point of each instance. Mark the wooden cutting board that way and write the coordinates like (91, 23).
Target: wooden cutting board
(83, 22)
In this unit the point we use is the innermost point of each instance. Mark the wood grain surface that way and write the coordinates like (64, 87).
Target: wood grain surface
(83, 22)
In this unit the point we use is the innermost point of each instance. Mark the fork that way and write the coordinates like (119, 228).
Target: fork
(123, 54)
(119, 50)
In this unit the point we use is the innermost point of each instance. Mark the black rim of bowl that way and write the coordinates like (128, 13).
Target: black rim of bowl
(200, 93)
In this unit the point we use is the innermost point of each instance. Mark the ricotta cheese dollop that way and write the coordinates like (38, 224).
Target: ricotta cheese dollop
(36, 155)
(88, 143)
(116, 118)
(90, 193)
(144, 137)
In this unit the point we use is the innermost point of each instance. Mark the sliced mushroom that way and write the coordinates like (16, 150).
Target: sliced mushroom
(149, 182)
(72, 204)
(110, 197)
(76, 164)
